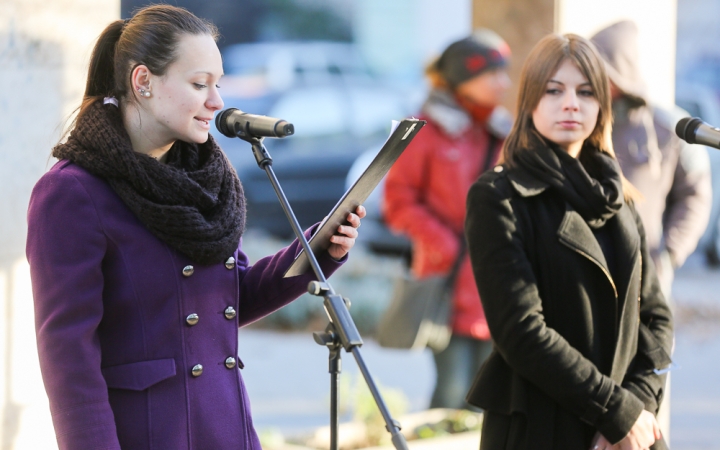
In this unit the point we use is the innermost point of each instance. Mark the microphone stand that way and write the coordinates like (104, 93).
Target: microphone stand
(341, 332)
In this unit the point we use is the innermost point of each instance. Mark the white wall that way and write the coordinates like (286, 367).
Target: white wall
(656, 20)
(44, 49)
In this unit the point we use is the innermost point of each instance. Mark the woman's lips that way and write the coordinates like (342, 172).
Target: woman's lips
(204, 122)
(569, 124)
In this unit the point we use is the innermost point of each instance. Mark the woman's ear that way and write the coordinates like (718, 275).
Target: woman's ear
(140, 81)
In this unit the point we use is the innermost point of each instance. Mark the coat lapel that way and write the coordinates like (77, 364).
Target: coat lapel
(575, 233)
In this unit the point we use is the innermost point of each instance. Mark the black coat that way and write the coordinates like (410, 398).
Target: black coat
(547, 290)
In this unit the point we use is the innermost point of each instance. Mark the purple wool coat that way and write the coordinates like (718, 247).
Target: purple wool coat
(138, 345)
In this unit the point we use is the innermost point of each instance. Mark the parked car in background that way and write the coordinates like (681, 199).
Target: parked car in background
(338, 108)
(700, 101)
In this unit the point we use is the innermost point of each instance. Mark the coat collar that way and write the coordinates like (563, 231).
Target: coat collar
(525, 184)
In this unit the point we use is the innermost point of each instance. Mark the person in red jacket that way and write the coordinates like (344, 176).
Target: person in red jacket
(425, 190)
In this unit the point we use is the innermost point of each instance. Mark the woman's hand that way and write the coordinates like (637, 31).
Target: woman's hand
(642, 435)
(343, 241)
(600, 443)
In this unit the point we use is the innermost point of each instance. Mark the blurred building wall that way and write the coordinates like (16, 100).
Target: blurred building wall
(44, 50)
(523, 22)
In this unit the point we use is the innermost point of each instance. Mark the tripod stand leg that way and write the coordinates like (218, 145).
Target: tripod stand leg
(335, 369)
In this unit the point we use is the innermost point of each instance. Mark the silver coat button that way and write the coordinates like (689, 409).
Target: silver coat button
(498, 169)
(230, 362)
(230, 313)
(197, 370)
(192, 319)
(230, 263)
(188, 270)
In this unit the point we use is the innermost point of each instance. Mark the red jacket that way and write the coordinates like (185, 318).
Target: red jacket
(424, 198)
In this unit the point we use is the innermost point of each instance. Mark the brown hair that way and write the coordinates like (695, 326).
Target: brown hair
(542, 63)
(150, 38)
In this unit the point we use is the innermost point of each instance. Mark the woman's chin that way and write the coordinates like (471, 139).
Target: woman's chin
(199, 138)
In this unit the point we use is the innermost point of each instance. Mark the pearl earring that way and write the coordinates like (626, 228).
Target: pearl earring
(144, 93)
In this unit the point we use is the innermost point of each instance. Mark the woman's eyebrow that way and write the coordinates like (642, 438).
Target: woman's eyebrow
(587, 83)
(209, 73)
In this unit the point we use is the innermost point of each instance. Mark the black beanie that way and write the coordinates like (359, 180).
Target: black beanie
(469, 57)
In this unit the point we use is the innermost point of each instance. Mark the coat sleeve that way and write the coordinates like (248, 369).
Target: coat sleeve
(655, 338)
(263, 289)
(688, 203)
(403, 207)
(514, 312)
(65, 249)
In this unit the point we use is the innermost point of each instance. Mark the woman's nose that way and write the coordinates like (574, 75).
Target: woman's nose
(214, 101)
(570, 101)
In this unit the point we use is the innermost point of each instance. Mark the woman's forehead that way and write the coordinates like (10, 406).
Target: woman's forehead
(198, 54)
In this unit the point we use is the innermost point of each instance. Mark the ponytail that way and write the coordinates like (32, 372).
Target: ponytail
(101, 79)
(101, 73)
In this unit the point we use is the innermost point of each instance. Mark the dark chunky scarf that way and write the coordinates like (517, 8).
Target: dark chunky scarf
(591, 184)
(194, 202)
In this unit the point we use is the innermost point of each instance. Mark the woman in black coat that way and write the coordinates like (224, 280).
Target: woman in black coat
(582, 334)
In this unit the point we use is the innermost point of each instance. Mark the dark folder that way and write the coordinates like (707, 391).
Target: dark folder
(358, 192)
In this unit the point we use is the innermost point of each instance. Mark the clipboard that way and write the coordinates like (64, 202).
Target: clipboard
(358, 192)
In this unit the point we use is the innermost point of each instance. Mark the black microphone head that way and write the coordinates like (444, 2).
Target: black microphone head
(284, 128)
(686, 128)
(221, 122)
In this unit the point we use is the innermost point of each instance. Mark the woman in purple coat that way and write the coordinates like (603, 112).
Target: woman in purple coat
(139, 280)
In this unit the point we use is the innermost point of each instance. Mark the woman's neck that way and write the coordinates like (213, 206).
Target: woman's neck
(573, 149)
(139, 127)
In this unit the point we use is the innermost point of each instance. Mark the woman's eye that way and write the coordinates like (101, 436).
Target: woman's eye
(217, 86)
(200, 85)
(552, 91)
(586, 93)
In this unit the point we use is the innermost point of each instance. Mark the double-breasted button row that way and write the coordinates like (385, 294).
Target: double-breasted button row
(230, 362)
(193, 319)
(189, 270)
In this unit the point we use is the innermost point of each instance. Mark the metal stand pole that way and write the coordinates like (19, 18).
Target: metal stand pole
(341, 332)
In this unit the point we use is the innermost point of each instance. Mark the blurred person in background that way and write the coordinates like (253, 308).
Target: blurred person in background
(139, 279)
(578, 319)
(425, 191)
(672, 175)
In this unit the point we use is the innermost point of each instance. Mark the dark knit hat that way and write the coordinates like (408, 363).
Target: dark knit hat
(467, 58)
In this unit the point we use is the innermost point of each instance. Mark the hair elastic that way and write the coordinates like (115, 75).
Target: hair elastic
(110, 100)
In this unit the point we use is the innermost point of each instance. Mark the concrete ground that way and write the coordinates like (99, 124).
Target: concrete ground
(286, 374)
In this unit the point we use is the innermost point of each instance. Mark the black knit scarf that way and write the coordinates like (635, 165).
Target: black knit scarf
(591, 184)
(194, 202)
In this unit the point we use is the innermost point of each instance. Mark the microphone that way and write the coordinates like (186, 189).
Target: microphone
(232, 122)
(695, 131)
